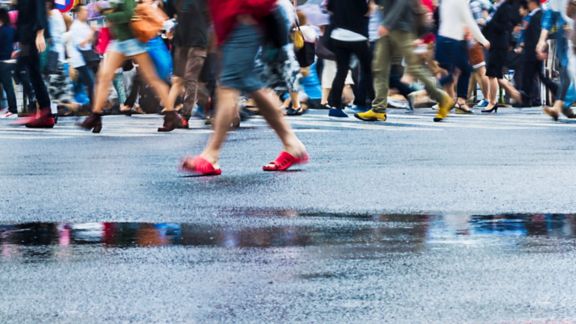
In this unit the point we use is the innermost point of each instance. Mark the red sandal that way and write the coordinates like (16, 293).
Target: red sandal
(201, 166)
(284, 161)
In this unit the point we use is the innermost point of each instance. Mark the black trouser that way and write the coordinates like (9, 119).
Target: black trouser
(134, 90)
(29, 62)
(8, 86)
(86, 76)
(530, 71)
(344, 52)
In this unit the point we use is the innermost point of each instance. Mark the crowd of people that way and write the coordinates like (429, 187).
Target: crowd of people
(221, 58)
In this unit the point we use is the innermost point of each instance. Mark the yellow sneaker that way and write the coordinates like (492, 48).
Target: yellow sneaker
(371, 115)
(444, 108)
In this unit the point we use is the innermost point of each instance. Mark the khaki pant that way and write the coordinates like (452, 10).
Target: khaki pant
(389, 48)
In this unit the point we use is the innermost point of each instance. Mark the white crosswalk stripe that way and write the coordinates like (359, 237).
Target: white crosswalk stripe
(312, 122)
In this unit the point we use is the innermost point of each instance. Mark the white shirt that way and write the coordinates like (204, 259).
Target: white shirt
(455, 16)
(57, 28)
(79, 32)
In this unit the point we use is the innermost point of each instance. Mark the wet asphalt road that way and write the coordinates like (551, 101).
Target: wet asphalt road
(409, 221)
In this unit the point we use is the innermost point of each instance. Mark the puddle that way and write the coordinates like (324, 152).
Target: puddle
(408, 231)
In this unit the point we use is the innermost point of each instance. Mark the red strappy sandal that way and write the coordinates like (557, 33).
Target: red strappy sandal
(201, 166)
(284, 161)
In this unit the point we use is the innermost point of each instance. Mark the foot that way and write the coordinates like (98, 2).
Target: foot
(338, 113)
(550, 111)
(463, 109)
(93, 123)
(171, 122)
(482, 104)
(371, 115)
(286, 160)
(43, 119)
(8, 115)
(444, 108)
(201, 166)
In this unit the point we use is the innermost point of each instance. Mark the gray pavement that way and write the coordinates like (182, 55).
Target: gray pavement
(406, 221)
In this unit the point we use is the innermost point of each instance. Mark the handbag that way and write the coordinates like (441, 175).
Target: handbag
(147, 22)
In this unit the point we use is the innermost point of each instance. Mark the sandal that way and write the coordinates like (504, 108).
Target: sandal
(463, 109)
(284, 161)
(295, 112)
(200, 166)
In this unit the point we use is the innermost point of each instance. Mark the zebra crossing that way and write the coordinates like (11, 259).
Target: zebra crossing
(314, 121)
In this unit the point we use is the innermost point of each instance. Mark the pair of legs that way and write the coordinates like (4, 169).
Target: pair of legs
(400, 44)
(344, 52)
(8, 86)
(107, 72)
(28, 67)
(226, 112)
(188, 63)
(452, 55)
(86, 77)
(238, 74)
(496, 63)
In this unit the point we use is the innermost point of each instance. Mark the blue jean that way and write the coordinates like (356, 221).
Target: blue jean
(452, 55)
(239, 58)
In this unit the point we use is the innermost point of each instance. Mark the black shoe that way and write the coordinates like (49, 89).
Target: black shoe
(92, 122)
(171, 122)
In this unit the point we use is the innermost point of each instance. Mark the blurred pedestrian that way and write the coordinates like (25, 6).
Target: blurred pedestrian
(238, 25)
(31, 28)
(123, 47)
(398, 35)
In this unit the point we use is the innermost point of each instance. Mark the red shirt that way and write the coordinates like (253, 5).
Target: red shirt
(225, 12)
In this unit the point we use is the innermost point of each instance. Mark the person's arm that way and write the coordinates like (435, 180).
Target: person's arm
(466, 13)
(124, 16)
(547, 23)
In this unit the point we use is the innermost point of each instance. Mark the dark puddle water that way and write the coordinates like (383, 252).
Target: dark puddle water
(409, 231)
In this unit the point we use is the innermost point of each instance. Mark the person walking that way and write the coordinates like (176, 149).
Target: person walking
(124, 46)
(554, 18)
(498, 31)
(239, 29)
(31, 27)
(397, 36)
(349, 36)
(81, 40)
(7, 41)
(452, 47)
(190, 51)
(532, 66)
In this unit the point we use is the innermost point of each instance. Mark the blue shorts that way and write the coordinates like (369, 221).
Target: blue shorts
(130, 47)
(239, 59)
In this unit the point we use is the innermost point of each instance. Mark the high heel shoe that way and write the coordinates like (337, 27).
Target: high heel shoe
(92, 122)
(494, 109)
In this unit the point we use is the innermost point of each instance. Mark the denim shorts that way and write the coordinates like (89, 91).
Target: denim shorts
(130, 47)
(239, 59)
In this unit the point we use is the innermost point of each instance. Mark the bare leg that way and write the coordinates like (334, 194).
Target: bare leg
(482, 79)
(106, 74)
(325, 95)
(146, 68)
(276, 120)
(226, 102)
(493, 93)
(509, 88)
(175, 91)
(294, 97)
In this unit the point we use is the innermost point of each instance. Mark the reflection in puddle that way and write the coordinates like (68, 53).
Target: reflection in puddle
(389, 232)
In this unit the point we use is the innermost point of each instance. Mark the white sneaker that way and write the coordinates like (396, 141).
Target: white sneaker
(8, 115)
